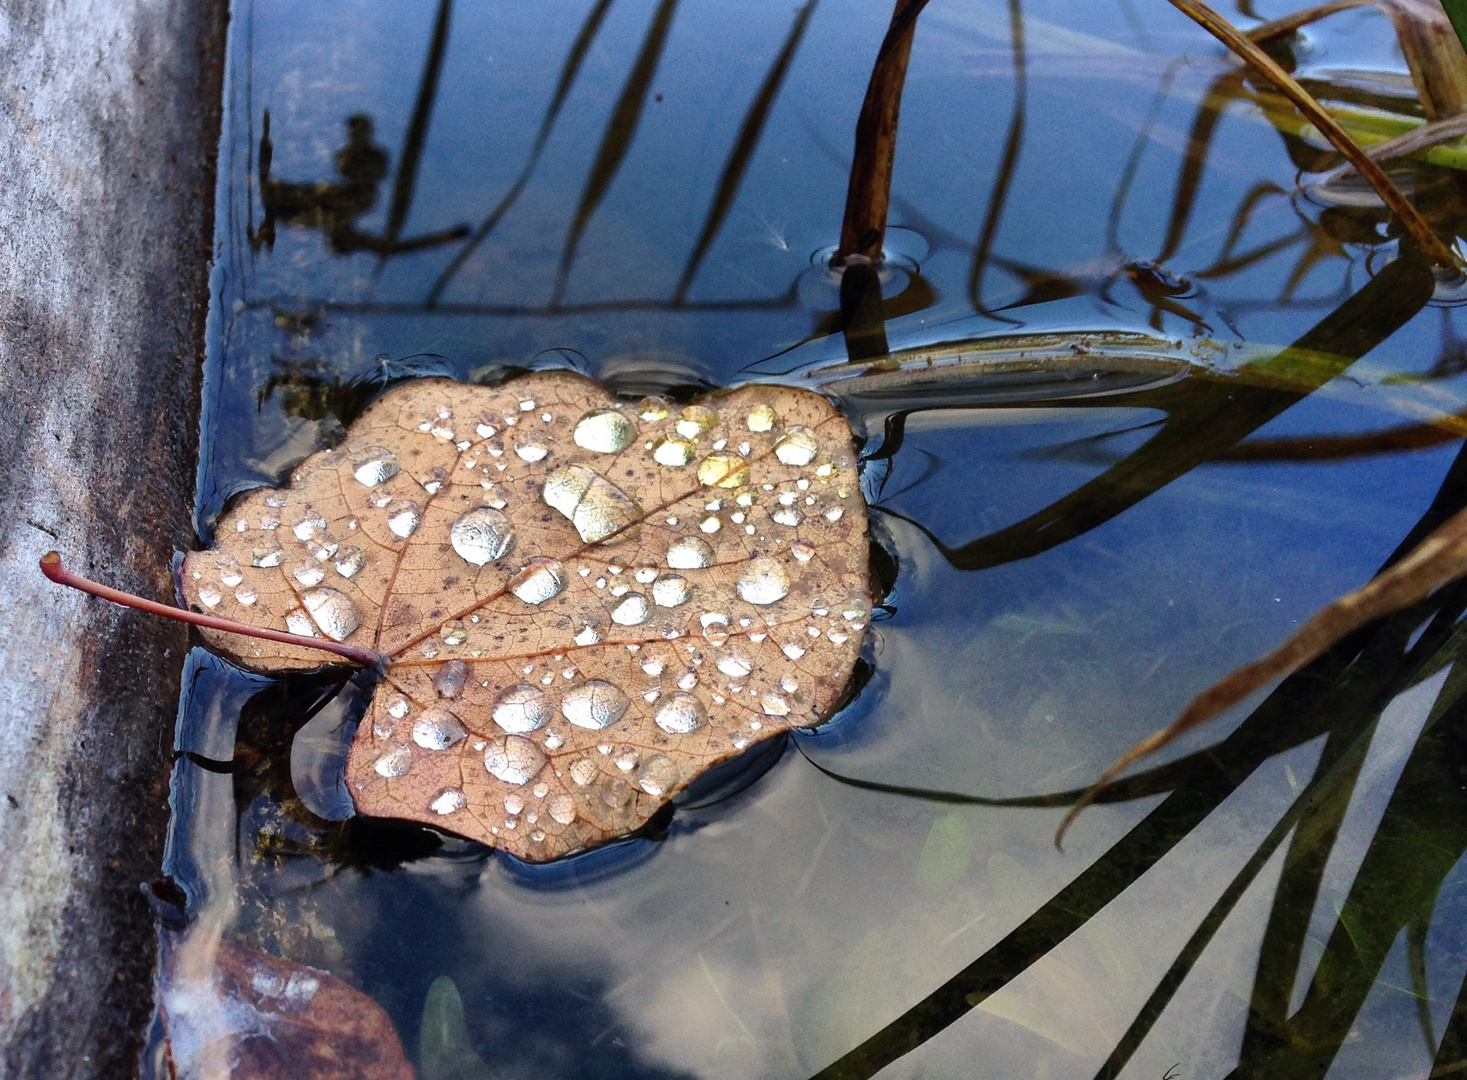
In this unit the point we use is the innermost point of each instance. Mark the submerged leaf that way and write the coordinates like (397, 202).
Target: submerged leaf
(585, 603)
(235, 1014)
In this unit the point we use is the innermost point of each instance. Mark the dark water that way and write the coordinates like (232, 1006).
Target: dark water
(643, 191)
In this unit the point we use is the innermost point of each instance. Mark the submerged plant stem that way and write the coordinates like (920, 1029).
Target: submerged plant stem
(52, 567)
(1431, 245)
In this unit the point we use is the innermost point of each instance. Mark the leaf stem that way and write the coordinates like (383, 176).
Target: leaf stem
(1410, 218)
(52, 567)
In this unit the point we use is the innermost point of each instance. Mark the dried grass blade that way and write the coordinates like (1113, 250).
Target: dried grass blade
(1431, 246)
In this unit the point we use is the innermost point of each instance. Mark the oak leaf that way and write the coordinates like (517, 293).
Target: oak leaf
(585, 601)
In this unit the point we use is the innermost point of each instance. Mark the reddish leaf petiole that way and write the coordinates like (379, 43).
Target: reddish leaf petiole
(51, 566)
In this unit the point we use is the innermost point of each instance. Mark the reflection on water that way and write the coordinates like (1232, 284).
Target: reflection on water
(1134, 409)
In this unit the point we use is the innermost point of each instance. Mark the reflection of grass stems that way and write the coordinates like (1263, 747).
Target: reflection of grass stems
(708, 975)
(1235, 40)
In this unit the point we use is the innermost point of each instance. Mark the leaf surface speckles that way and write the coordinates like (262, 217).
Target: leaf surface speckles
(586, 601)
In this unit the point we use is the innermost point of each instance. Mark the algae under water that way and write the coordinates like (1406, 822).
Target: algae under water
(648, 192)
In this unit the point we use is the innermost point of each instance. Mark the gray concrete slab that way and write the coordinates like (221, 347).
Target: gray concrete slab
(109, 115)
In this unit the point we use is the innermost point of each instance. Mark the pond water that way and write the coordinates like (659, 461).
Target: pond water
(647, 192)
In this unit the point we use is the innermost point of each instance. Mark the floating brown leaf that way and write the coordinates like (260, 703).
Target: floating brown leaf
(234, 1013)
(586, 602)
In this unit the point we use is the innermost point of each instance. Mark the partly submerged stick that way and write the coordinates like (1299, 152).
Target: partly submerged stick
(1431, 245)
(1440, 558)
(51, 566)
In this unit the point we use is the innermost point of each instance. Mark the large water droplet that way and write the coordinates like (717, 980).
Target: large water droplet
(680, 713)
(453, 632)
(269, 553)
(334, 613)
(584, 770)
(310, 573)
(375, 465)
(604, 431)
(300, 624)
(788, 515)
(530, 448)
(438, 729)
(595, 506)
(482, 535)
(762, 418)
(670, 590)
(735, 663)
(763, 581)
(563, 809)
(396, 760)
(405, 520)
(447, 801)
(306, 528)
(673, 451)
(694, 420)
(594, 704)
(210, 596)
(449, 682)
(521, 709)
(631, 610)
(723, 470)
(689, 553)
(349, 561)
(652, 409)
(229, 572)
(657, 774)
(616, 792)
(513, 759)
(542, 580)
(797, 447)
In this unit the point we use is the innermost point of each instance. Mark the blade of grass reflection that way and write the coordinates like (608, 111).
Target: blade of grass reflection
(1416, 932)
(622, 127)
(568, 72)
(1008, 165)
(1204, 419)
(1333, 782)
(1295, 707)
(1133, 160)
(417, 134)
(750, 132)
(1353, 679)
(1421, 836)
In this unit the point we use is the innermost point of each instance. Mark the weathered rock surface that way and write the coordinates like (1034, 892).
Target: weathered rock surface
(108, 129)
